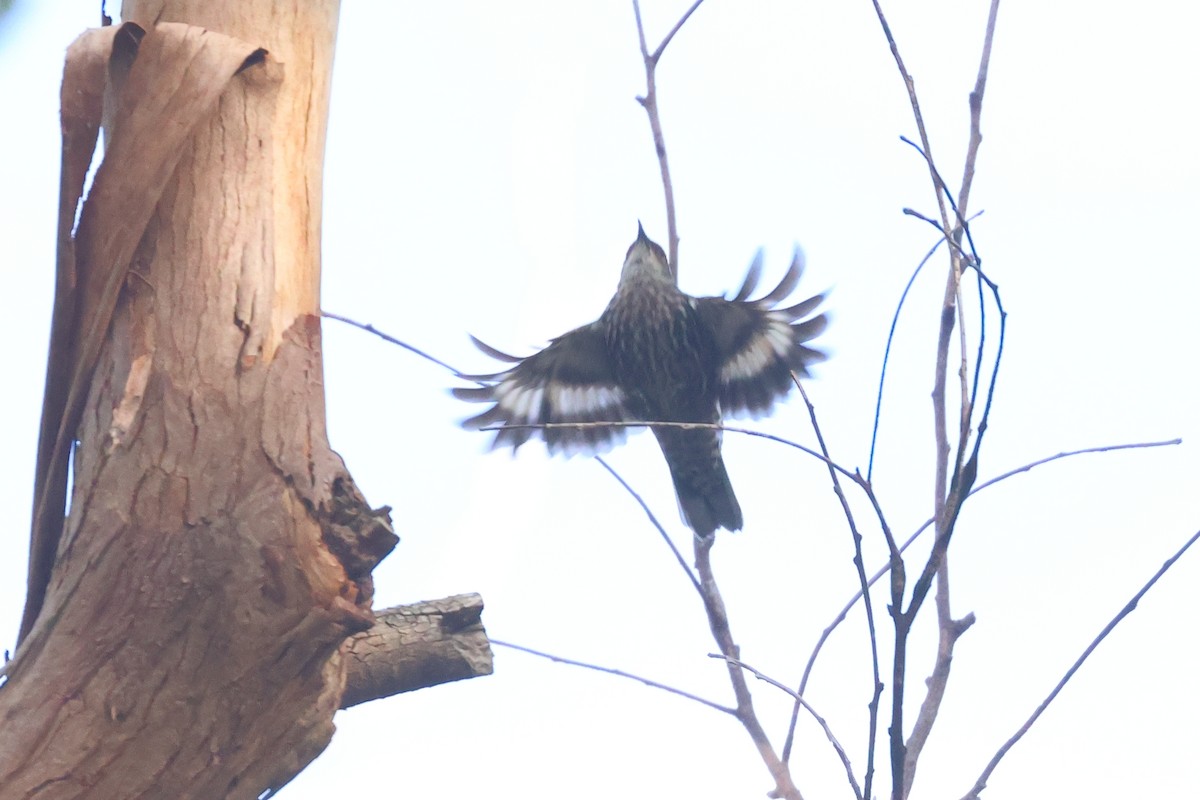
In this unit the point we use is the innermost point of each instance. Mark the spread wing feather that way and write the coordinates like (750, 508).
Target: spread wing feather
(760, 345)
(570, 381)
(752, 276)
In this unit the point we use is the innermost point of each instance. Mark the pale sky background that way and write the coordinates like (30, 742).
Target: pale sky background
(487, 166)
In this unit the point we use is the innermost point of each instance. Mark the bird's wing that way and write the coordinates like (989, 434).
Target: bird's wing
(760, 344)
(570, 381)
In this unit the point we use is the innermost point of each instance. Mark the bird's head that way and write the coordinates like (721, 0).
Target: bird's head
(646, 261)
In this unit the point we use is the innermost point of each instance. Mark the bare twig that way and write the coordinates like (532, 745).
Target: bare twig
(976, 103)
(718, 621)
(801, 702)
(981, 783)
(916, 108)
(860, 568)
(1067, 454)
(369, 328)
(619, 673)
(658, 526)
(671, 34)
(650, 103)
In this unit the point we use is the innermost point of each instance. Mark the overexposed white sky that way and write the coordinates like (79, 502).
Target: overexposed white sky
(487, 166)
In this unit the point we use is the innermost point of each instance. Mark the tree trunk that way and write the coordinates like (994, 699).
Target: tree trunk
(182, 627)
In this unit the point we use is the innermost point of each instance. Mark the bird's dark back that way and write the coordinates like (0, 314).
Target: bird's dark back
(663, 356)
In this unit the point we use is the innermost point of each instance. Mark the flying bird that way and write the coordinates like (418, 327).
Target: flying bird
(658, 355)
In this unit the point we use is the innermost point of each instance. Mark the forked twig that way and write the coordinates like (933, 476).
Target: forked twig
(916, 109)
(801, 702)
(650, 102)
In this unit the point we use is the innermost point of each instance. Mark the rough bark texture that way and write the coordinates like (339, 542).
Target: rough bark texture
(415, 646)
(217, 553)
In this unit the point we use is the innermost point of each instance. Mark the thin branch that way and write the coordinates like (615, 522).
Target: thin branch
(654, 521)
(877, 684)
(718, 622)
(369, 328)
(650, 103)
(619, 673)
(800, 701)
(671, 35)
(981, 783)
(1067, 454)
(916, 108)
(976, 104)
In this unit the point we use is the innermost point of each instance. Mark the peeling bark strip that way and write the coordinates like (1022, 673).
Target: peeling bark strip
(217, 553)
(175, 80)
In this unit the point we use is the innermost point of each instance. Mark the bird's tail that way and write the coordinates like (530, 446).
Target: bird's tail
(706, 498)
